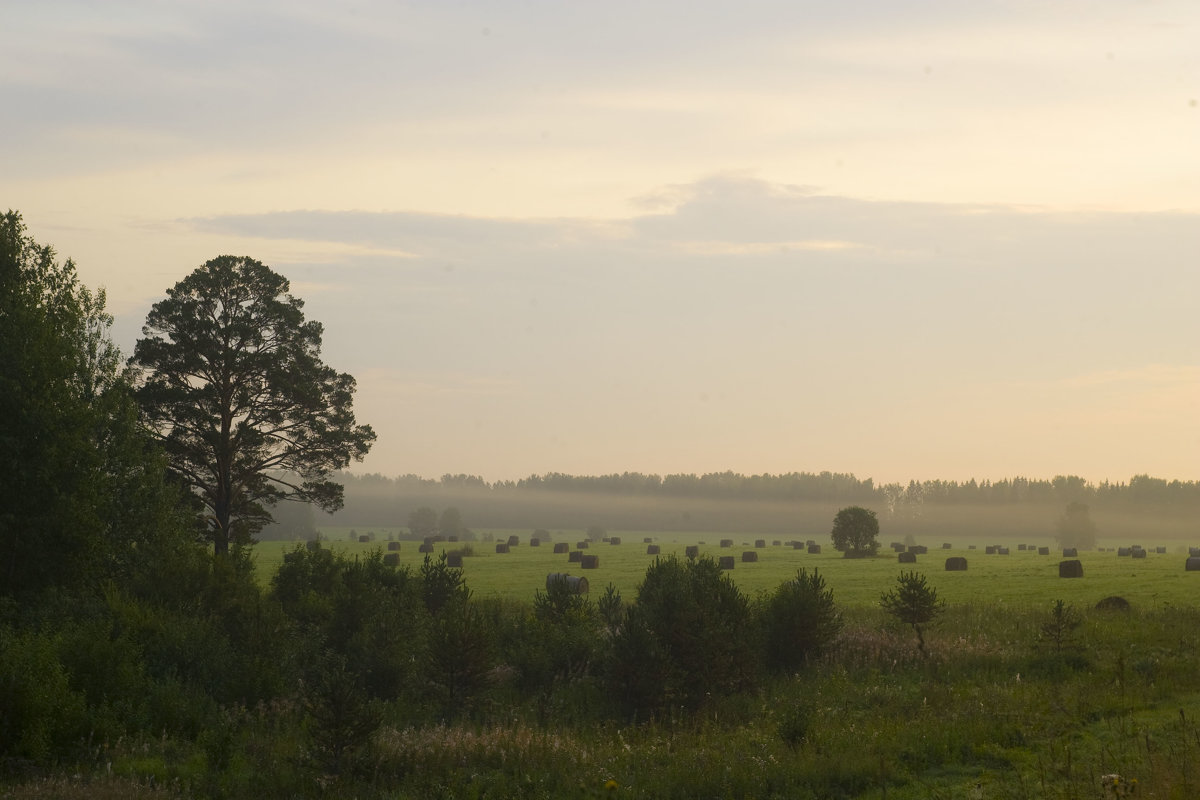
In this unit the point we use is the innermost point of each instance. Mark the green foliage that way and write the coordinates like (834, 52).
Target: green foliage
(234, 389)
(687, 638)
(913, 602)
(855, 532)
(423, 522)
(341, 717)
(799, 620)
(1058, 633)
(41, 716)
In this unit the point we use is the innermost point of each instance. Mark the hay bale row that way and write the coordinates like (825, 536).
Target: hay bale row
(956, 564)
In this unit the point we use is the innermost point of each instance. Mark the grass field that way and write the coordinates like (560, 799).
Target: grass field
(1021, 579)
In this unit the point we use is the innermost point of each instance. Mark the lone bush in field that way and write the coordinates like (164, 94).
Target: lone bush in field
(1058, 632)
(799, 619)
(856, 532)
(684, 640)
(913, 602)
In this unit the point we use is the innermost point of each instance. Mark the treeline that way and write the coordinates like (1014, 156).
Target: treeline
(1141, 491)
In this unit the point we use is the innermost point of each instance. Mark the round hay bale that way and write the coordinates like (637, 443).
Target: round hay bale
(1070, 552)
(574, 583)
(501, 547)
(1139, 552)
(393, 545)
(726, 562)
(1113, 603)
(562, 547)
(535, 542)
(749, 556)
(990, 550)
(1022, 547)
(1070, 569)
(454, 560)
(1001, 551)
(956, 564)
(814, 549)
(692, 551)
(391, 560)
(898, 547)
(363, 538)
(589, 562)
(514, 540)
(798, 545)
(1194, 551)
(907, 557)
(759, 543)
(946, 546)
(575, 556)
(648, 540)
(581, 545)
(727, 543)
(972, 547)
(919, 549)
(1160, 550)
(1124, 551)
(1043, 551)
(1193, 564)
(614, 540)
(653, 549)
(775, 543)
(425, 548)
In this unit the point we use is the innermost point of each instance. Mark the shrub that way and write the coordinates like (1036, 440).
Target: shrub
(913, 602)
(799, 620)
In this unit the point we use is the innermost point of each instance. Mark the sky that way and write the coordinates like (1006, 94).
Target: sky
(905, 240)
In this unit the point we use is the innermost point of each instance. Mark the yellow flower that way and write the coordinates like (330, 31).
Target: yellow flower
(611, 785)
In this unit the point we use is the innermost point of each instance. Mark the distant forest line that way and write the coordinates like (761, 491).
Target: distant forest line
(797, 502)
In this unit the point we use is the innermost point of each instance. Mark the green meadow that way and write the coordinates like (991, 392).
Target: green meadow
(1020, 579)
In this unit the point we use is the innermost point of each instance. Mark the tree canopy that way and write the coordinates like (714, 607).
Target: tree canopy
(233, 385)
(855, 532)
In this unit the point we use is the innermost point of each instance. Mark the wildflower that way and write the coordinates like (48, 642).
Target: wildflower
(611, 785)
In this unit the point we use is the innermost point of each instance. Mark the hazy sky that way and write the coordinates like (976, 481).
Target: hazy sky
(899, 239)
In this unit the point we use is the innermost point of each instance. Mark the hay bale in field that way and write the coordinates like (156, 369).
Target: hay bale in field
(575, 584)
(749, 556)
(1124, 551)
(653, 549)
(648, 540)
(391, 560)
(1194, 551)
(1043, 551)
(1001, 551)
(727, 543)
(1193, 564)
(810, 543)
(907, 557)
(726, 562)
(1021, 547)
(589, 562)
(759, 543)
(614, 540)
(393, 545)
(562, 547)
(798, 545)
(1070, 569)
(990, 549)
(425, 548)
(919, 549)
(1139, 552)
(581, 545)
(946, 546)
(1113, 603)
(501, 547)
(1160, 550)
(535, 542)
(363, 538)
(452, 538)
(575, 556)
(956, 564)
(454, 560)
(814, 549)
(691, 551)
(514, 540)
(1070, 552)
(775, 543)
(899, 547)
